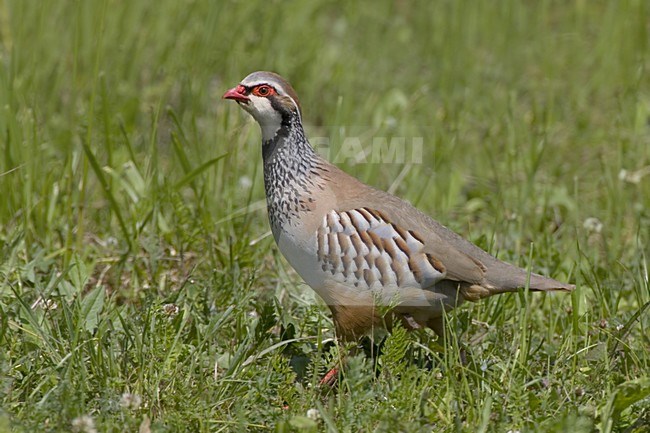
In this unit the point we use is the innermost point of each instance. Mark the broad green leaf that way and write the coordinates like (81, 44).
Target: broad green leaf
(630, 392)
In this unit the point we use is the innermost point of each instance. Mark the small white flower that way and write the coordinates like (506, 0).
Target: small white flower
(83, 424)
(170, 309)
(593, 225)
(633, 176)
(313, 414)
(622, 175)
(245, 182)
(130, 401)
(45, 304)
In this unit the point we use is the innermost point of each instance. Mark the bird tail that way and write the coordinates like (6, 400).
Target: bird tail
(545, 284)
(504, 278)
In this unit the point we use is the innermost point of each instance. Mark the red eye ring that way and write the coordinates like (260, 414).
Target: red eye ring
(263, 90)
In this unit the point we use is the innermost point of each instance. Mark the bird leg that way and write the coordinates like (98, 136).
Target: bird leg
(366, 344)
(330, 378)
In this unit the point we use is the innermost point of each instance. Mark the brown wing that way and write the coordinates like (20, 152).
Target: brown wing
(463, 261)
(457, 265)
(362, 248)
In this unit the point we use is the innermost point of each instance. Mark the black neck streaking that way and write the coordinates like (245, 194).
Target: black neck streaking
(289, 162)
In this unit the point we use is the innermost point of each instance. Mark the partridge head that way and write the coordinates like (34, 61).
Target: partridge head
(358, 247)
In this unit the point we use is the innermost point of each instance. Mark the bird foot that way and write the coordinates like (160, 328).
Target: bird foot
(411, 322)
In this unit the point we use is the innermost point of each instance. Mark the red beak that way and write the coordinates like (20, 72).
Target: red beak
(237, 93)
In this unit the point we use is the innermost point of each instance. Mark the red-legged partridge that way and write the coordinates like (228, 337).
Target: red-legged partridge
(360, 248)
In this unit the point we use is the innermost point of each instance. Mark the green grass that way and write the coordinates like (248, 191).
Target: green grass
(137, 286)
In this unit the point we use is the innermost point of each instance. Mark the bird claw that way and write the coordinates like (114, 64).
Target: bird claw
(411, 321)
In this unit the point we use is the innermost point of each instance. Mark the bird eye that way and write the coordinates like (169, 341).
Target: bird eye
(263, 90)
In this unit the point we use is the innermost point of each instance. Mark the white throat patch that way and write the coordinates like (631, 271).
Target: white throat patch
(269, 119)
